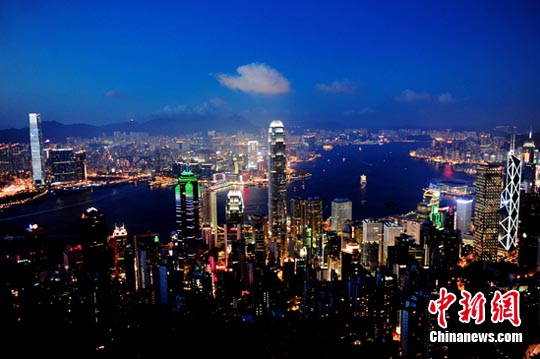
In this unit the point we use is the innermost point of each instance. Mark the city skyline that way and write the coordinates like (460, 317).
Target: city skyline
(390, 64)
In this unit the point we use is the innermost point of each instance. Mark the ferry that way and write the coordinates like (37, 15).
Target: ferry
(363, 180)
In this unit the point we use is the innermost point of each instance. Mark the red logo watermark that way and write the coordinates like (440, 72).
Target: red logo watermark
(504, 306)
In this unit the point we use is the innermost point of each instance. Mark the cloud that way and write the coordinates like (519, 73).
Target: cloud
(256, 78)
(205, 108)
(113, 93)
(344, 86)
(446, 98)
(413, 96)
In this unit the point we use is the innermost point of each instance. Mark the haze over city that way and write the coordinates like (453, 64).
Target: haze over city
(426, 64)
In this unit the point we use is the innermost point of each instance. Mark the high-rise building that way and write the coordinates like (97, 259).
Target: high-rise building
(209, 216)
(253, 155)
(98, 261)
(187, 209)
(372, 233)
(391, 230)
(464, 210)
(63, 167)
(341, 213)
(81, 166)
(36, 149)
(277, 186)
(306, 213)
(488, 187)
(528, 175)
(510, 200)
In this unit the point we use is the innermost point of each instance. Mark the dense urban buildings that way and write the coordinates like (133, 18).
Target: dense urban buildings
(296, 268)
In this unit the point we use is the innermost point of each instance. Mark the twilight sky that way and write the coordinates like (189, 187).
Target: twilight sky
(375, 64)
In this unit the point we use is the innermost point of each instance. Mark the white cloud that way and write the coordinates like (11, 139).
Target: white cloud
(344, 86)
(413, 96)
(446, 98)
(256, 78)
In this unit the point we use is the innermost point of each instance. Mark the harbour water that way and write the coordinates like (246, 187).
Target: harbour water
(394, 184)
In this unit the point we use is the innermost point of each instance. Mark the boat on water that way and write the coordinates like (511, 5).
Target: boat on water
(363, 180)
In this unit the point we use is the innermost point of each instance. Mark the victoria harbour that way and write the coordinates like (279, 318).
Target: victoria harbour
(395, 183)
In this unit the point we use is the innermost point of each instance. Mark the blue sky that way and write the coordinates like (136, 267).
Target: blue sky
(435, 64)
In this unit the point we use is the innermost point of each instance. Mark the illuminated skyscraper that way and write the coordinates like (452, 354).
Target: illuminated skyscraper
(510, 200)
(306, 213)
(187, 209)
(98, 262)
(528, 176)
(253, 155)
(488, 186)
(341, 213)
(277, 185)
(36, 149)
(372, 234)
(63, 168)
(464, 209)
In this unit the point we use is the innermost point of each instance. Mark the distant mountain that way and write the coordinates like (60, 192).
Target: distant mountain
(57, 132)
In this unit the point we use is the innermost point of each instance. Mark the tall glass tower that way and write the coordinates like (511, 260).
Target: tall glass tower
(277, 184)
(488, 187)
(510, 199)
(36, 149)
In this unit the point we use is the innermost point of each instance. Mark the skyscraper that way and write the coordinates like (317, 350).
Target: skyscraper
(510, 200)
(306, 213)
(36, 149)
(187, 209)
(277, 184)
(464, 209)
(341, 213)
(253, 155)
(528, 175)
(488, 186)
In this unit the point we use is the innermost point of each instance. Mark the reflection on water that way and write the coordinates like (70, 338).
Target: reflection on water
(395, 183)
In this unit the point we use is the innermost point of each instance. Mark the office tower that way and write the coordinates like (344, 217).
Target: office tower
(62, 165)
(509, 205)
(253, 155)
(416, 325)
(234, 224)
(12, 158)
(81, 166)
(118, 241)
(488, 186)
(391, 230)
(150, 266)
(277, 187)
(209, 216)
(372, 233)
(528, 178)
(234, 209)
(187, 209)
(306, 213)
(341, 213)
(36, 149)
(464, 210)
(258, 224)
(97, 265)
(413, 229)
